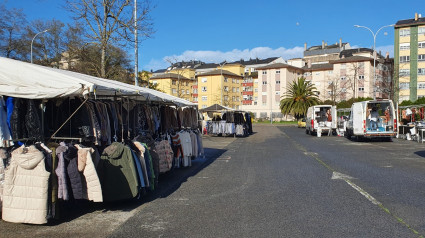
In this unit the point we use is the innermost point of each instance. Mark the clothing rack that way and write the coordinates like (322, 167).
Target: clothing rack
(67, 138)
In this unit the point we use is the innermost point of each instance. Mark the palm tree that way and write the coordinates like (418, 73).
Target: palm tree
(300, 96)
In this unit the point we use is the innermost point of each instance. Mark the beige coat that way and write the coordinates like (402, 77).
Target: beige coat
(86, 165)
(26, 187)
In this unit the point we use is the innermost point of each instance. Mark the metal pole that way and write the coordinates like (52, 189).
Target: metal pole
(136, 55)
(32, 41)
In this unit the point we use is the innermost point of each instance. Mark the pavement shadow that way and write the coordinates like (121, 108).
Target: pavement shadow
(421, 153)
(168, 183)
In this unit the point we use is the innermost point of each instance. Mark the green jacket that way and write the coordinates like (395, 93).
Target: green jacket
(119, 175)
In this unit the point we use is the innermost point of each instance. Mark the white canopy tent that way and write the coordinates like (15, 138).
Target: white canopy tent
(25, 80)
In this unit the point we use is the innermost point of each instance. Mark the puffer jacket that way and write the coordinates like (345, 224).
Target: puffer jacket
(87, 167)
(26, 187)
(119, 173)
(78, 183)
(61, 173)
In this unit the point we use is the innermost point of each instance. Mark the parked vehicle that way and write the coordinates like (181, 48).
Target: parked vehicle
(371, 119)
(316, 118)
(301, 123)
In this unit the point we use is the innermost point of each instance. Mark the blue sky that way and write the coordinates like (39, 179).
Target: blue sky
(213, 31)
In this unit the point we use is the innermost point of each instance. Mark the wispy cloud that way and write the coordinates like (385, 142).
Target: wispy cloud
(233, 55)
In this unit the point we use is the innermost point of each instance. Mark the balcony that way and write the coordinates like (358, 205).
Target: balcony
(195, 86)
(247, 102)
(194, 94)
(248, 84)
(247, 93)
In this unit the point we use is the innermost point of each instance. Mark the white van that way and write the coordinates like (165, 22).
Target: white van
(372, 119)
(316, 118)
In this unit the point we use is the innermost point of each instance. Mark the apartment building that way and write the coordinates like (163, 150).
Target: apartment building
(219, 86)
(273, 79)
(177, 82)
(409, 58)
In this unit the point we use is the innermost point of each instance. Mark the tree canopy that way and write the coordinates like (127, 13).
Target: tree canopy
(300, 95)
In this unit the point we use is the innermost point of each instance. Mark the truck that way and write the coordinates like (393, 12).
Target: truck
(372, 119)
(316, 119)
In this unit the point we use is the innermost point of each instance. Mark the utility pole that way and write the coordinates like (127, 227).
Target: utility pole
(136, 55)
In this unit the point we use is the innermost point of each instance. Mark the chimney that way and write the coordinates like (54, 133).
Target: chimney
(323, 44)
(416, 16)
(340, 42)
(305, 46)
(309, 63)
(387, 55)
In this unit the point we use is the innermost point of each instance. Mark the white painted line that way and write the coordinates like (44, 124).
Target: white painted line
(346, 178)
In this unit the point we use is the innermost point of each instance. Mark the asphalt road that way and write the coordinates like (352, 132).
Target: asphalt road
(281, 182)
(278, 182)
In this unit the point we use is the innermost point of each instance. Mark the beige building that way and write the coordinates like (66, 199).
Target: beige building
(177, 82)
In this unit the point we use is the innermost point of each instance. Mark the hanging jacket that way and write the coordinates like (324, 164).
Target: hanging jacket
(87, 167)
(17, 119)
(26, 187)
(119, 173)
(5, 135)
(78, 184)
(61, 173)
(32, 121)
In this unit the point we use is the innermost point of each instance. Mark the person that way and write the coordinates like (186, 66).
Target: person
(387, 115)
(328, 115)
(373, 118)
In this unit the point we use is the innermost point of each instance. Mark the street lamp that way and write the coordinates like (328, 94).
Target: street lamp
(34, 38)
(374, 53)
(222, 84)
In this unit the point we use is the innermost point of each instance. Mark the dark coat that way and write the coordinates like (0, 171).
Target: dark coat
(78, 183)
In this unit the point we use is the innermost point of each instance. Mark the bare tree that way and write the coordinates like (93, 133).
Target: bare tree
(335, 89)
(12, 25)
(352, 77)
(111, 22)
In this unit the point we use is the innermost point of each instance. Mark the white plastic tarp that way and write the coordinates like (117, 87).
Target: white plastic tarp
(25, 80)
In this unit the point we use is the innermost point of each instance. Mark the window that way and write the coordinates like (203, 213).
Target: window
(361, 77)
(404, 72)
(278, 82)
(187, 83)
(317, 83)
(195, 99)
(421, 71)
(226, 89)
(226, 80)
(264, 72)
(173, 82)
(404, 86)
(343, 66)
(421, 30)
(237, 99)
(174, 91)
(405, 32)
(277, 71)
(256, 90)
(277, 93)
(264, 82)
(204, 80)
(405, 46)
(182, 91)
(195, 91)
(154, 82)
(361, 89)
(330, 72)
(421, 44)
(317, 73)
(421, 57)
(237, 80)
(343, 78)
(330, 92)
(234, 99)
(233, 80)
(204, 106)
(404, 59)
(343, 90)
(330, 82)
(421, 85)
(361, 65)
(234, 89)
(237, 90)
(204, 98)
(226, 98)
(187, 91)
(204, 89)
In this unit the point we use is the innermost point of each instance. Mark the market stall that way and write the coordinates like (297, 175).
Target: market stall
(73, 130)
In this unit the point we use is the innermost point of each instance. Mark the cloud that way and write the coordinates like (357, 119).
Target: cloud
(233, 55)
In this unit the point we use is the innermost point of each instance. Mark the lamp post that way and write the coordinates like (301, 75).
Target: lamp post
(222, 84)
(374, 53)
(34, 38)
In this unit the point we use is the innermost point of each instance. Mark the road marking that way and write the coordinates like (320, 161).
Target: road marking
(348, 181)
